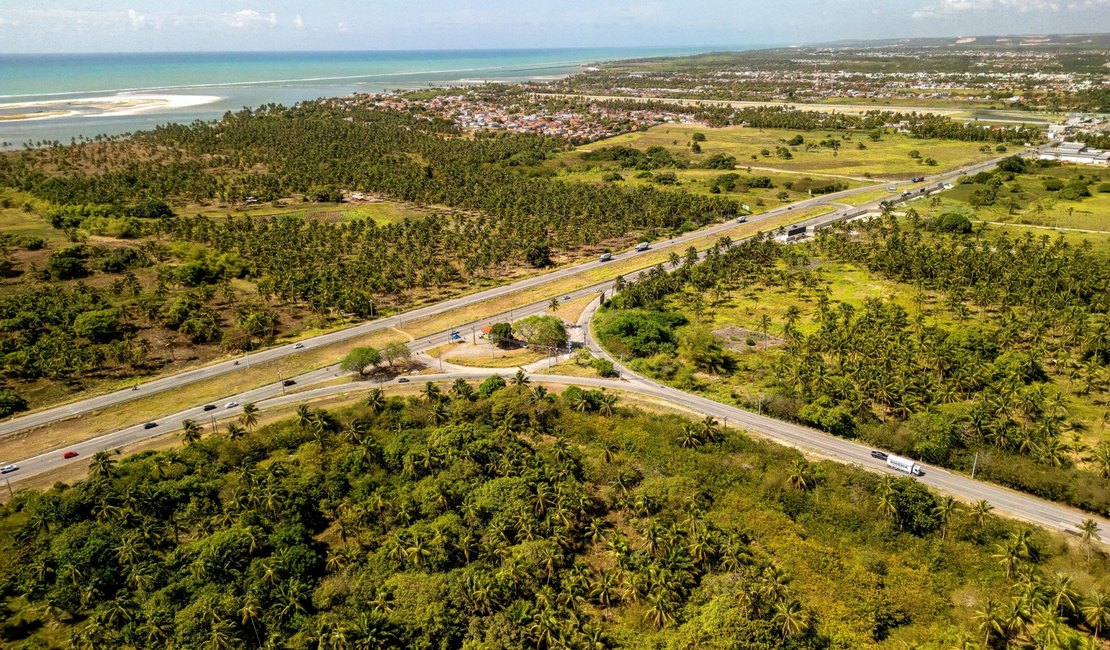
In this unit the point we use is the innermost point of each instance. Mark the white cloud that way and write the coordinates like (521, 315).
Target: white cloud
(298, 22)
(138, 21)
(343, 28)
(946, 8)
(250, 18)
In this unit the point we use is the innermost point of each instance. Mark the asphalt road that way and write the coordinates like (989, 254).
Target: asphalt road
(1019, 505)
(1022, 506)
(46, 416)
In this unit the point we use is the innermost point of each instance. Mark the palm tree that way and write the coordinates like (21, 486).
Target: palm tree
(304, 416)
(234, 431)
(1089, 528)
(981, 511)
(945, 508)
(608, 401)
(520, 378)
(690, 437)
(102, 464)
(553, 305)
(1096, 612)
(461, 390)
(190, 431)
(376, 400)
(441, 412)
(710, 429)
(249, 417)
(801, 475)
(791, 619)
(990, 622)
(431, 392)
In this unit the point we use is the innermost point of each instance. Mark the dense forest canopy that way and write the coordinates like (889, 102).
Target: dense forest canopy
(499, 517)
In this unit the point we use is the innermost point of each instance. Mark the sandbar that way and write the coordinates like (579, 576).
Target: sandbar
(105, 106)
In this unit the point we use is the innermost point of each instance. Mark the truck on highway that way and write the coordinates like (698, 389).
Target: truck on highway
(903, 465)
(643, 246)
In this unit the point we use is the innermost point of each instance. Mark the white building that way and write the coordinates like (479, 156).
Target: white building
(1076, 152)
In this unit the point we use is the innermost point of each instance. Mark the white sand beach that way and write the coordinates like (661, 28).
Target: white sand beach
(109, 105)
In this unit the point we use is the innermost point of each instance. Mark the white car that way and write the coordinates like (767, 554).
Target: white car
(8, 469)
(298, 346)
(231, 405)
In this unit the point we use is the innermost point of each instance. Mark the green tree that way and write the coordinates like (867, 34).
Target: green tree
(362, 359)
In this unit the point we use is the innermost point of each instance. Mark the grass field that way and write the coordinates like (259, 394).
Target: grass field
(887, 158)
(786, 186)
(1024, 200)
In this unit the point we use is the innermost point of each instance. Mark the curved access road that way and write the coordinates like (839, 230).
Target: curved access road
(72, 409)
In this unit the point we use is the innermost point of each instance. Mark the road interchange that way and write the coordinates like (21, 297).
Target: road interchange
(1026, 507)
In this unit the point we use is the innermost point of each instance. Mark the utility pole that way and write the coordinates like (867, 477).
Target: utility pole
(974, 464)
(8, 481)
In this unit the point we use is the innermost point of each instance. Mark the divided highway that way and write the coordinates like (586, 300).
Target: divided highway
(1022, 506)
(46, 416)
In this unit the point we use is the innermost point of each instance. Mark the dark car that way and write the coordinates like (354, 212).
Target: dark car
(878, 454)
(150, 425)
(70, 454)
(209, 407)
(289, 382)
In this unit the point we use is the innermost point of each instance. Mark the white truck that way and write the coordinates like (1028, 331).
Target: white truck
(643, 246)
(904, 465)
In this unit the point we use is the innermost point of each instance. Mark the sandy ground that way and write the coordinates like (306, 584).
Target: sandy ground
(109, 105)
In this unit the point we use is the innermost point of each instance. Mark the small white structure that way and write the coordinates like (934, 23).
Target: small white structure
(1076, 152)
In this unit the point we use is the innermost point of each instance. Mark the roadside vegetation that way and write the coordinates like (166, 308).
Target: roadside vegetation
(828, 155)
(960, 350)
(502, 516)
(1038, 193)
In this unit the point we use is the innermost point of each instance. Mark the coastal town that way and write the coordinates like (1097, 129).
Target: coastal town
(477, 110)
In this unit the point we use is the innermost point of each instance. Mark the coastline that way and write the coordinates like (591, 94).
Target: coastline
(109, 105)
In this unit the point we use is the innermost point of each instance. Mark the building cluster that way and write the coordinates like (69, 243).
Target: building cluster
(1076, 152)
(585, 123)
(1079, 123)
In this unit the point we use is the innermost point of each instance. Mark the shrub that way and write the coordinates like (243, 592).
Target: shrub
(11, 402)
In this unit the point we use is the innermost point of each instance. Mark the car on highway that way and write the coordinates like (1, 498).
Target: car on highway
(605, 257)
(298, 346)
(150, 425)
(402, 380)
(643, 246)
(70, 454)
(878, 454)
(741, 220)
(231, 405)
(209, 407)
(8, 469)
(288, 382)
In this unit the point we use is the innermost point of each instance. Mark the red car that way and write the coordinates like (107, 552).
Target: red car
(70, 454)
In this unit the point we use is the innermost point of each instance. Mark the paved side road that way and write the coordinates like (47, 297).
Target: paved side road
(46, 416)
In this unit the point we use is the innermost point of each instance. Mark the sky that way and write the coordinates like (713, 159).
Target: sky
(37, 26)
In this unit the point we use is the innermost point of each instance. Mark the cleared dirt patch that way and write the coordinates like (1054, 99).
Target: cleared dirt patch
(740, 339)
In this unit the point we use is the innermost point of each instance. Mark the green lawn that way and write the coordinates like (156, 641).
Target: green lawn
(887, 158)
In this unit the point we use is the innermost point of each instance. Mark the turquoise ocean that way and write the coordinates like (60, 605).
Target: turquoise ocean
(233, 80)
